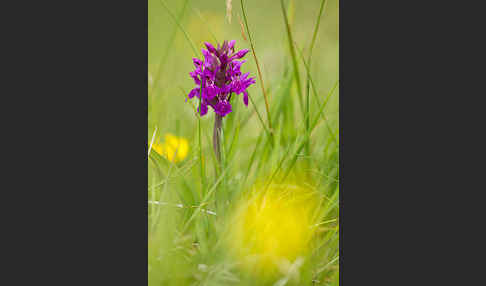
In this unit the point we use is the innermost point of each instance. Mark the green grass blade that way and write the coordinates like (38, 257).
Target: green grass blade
(316, 28)
(258, 68)
(307, 104)
(294, 58)
(178, 23)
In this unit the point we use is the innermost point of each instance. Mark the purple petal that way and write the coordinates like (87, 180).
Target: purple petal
(197, 62)
(240, 54)
(223, 108)
(210, 47)
(194, 92)
(203, 109)
(210, 92)
(224, 47)
(194, 76)
(245, 97)
(207, 55)
(231, 44)
(225, 89)
(237, 66)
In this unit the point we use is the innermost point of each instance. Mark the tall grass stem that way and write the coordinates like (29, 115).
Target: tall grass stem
(311, 47)
(294, 58)
(258, 69)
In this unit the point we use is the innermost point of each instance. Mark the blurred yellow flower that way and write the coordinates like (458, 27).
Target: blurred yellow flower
(174, 149)
(272, 229)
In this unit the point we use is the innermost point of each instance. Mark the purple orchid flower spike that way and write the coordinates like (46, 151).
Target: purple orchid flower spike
(217, 77)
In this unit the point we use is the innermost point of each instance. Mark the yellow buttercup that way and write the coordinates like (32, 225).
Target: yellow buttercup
(273, 227)
(174, 149)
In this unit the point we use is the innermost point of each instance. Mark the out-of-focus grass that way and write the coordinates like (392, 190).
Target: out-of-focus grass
(189, 216)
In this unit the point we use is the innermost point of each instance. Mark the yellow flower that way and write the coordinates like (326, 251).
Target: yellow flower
(174, 149)
(274, 228)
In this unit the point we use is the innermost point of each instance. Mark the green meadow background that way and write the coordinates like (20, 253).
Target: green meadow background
(186, 243)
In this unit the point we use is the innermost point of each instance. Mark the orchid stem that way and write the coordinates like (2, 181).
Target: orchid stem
(218, 120)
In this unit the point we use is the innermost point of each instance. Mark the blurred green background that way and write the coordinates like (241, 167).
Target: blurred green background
(186, 245)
